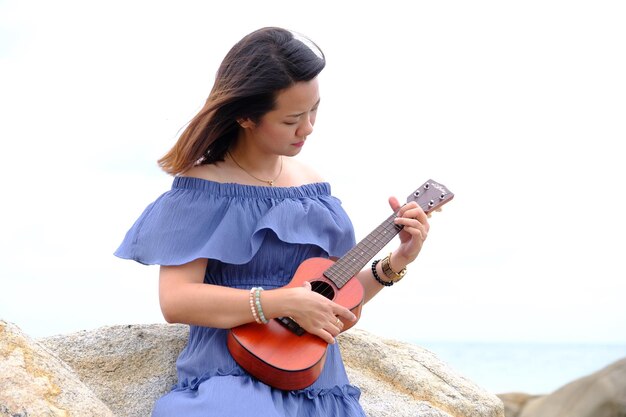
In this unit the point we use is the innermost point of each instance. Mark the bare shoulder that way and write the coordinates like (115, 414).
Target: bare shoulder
(212, 172)
(301, 173)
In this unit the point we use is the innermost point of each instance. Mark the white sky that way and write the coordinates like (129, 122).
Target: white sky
(518, 107)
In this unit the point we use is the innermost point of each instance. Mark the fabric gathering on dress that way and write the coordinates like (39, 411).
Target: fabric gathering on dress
(252, 236)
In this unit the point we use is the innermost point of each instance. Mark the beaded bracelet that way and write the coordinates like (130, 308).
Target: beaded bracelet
(253, 306)
(257, 303)
(375, 273)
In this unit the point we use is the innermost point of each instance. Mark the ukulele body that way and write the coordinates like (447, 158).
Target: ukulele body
(280, 353)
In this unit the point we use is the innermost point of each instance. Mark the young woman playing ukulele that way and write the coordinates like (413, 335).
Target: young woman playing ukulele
(240, 218)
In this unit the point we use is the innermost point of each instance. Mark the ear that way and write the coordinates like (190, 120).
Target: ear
(245, 123)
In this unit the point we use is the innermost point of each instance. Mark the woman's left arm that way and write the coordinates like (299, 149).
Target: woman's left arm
(412, 237)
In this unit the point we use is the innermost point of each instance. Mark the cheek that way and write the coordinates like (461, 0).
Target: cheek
(279, 131)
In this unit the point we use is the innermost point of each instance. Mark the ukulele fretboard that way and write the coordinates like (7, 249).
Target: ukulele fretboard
(352, 262)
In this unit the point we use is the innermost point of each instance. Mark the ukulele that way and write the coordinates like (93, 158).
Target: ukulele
(281, 353)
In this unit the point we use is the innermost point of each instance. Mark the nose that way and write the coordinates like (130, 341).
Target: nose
(306, 127)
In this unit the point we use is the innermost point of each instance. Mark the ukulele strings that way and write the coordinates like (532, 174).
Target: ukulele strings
(359, 255)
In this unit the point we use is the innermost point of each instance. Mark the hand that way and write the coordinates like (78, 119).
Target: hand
(413, 234)
(318, 315)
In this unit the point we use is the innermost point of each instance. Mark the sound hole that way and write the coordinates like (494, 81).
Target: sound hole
(323, 288)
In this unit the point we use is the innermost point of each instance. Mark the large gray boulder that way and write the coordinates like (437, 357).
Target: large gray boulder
(600, 394)
(34, 382)
(401, 379)
(129, 367)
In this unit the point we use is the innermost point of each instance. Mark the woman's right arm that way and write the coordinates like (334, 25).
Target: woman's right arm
(185, 298)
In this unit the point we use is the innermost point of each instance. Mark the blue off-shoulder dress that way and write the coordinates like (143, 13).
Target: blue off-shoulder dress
(252, 236)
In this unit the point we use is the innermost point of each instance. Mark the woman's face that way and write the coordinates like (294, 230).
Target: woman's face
(284, 130)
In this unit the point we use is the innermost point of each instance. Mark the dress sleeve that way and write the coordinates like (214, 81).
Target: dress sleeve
(183, 225)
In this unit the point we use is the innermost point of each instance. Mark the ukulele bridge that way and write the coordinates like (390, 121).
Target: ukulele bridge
(291, 325)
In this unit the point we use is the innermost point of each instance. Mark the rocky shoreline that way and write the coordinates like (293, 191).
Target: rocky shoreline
(119, 371)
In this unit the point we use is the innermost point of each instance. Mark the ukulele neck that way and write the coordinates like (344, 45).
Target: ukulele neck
(357, 257)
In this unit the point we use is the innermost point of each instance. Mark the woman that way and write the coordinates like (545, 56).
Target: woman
(241, 216)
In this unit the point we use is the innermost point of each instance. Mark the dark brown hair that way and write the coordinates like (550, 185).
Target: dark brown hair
(246, 85)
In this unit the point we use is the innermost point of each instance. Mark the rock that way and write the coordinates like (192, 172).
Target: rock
(601, 394)
(129, 367)
(399, 379)
(34, 382)
(514, 402)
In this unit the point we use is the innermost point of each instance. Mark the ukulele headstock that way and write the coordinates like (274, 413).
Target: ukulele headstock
(430, 196)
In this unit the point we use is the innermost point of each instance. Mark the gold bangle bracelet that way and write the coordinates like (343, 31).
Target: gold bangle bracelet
(389, 272)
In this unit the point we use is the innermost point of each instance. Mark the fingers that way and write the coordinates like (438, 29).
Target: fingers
(344, 313)
(326, 337)
(393, 202)
(335, 323)
(333, 327)
(409, 210)
(412, 211)
(414, 231)
(336, 311)
(321, 316)
(413, 226)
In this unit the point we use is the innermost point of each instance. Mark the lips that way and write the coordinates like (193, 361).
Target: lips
(299, 144)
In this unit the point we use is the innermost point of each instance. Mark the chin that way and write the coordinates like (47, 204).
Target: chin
(293, 152)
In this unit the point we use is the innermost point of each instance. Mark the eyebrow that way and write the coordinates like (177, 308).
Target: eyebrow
(300, 114)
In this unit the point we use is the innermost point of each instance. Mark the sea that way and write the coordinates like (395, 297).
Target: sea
(533, 368)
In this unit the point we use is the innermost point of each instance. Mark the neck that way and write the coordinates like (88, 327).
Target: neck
(263, 165)
(262, 168)
(252, 158)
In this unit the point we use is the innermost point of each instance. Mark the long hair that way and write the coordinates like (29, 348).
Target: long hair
(248, 80)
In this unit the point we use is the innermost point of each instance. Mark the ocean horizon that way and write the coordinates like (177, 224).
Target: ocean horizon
(533, 368)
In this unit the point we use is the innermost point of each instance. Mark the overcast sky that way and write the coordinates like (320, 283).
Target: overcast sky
(518, 107)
